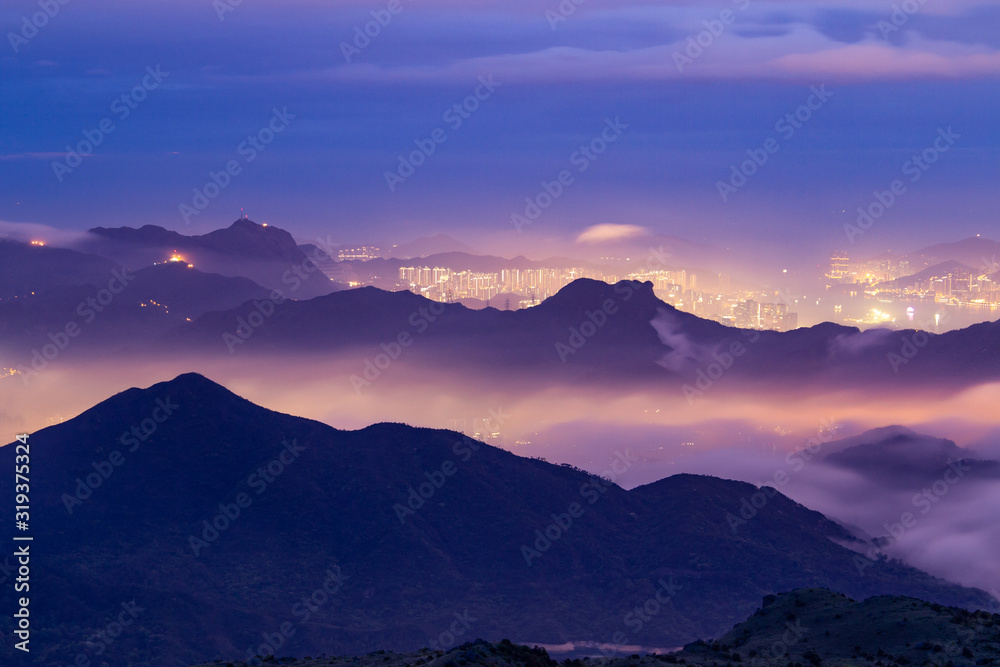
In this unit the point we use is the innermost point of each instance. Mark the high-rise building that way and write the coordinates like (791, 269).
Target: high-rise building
(840, 267)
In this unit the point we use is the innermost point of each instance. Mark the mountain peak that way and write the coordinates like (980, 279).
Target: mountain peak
(590, 293)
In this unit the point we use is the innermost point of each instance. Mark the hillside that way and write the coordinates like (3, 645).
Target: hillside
(805, 627)
(218, 517)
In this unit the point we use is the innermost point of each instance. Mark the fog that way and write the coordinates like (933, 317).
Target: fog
(729, 433)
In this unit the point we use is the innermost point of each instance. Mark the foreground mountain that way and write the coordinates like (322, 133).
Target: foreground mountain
(815, 627)
(218, 523)
(802, 627)
(265, 254)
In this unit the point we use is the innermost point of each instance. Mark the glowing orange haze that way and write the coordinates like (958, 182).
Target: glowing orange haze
(445, 399)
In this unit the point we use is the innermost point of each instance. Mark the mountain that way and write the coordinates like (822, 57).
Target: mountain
(902, 458)
(822, 627)
(949, 267)
(244, 237)
(503, 341)
(428, 245)
(589, 332)
(120, 307)
(265, 254)
(26, 268)
(592, 331)
(217, 523)
(804, 626)
(980, 253)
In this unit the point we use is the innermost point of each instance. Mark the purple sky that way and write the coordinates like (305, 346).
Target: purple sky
(559, 80)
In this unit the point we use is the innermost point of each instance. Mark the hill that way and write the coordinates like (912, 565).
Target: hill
(806, 627)
(950, 267)
(26, 268)
(224, 521)
(265, 254)
(119, 308)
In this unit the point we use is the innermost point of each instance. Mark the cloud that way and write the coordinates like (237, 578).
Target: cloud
(610, 232)
(880, 61)
(28, 231)
(33, 156)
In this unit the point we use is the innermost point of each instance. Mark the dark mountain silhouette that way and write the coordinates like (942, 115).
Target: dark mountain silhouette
(143, 305)
(975, 251)
(594, 331)
(626, 347)
(122, 494)
(950, 267)
(26, 268)
(428, 245)
(822, 627)
(814, 627)
(265, 254)
(899, 457)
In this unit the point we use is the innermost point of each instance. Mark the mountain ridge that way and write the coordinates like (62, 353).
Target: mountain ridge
(473, 538)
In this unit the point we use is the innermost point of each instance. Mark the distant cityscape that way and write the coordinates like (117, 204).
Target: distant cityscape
(746, 309)
(895, 280)
(871, 284)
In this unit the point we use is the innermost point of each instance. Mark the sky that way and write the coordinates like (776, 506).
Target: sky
(674, 94)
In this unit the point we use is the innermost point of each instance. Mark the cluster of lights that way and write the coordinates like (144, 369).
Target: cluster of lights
(39, 243)
(877, 315)
(178, 258)
(165, 308)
